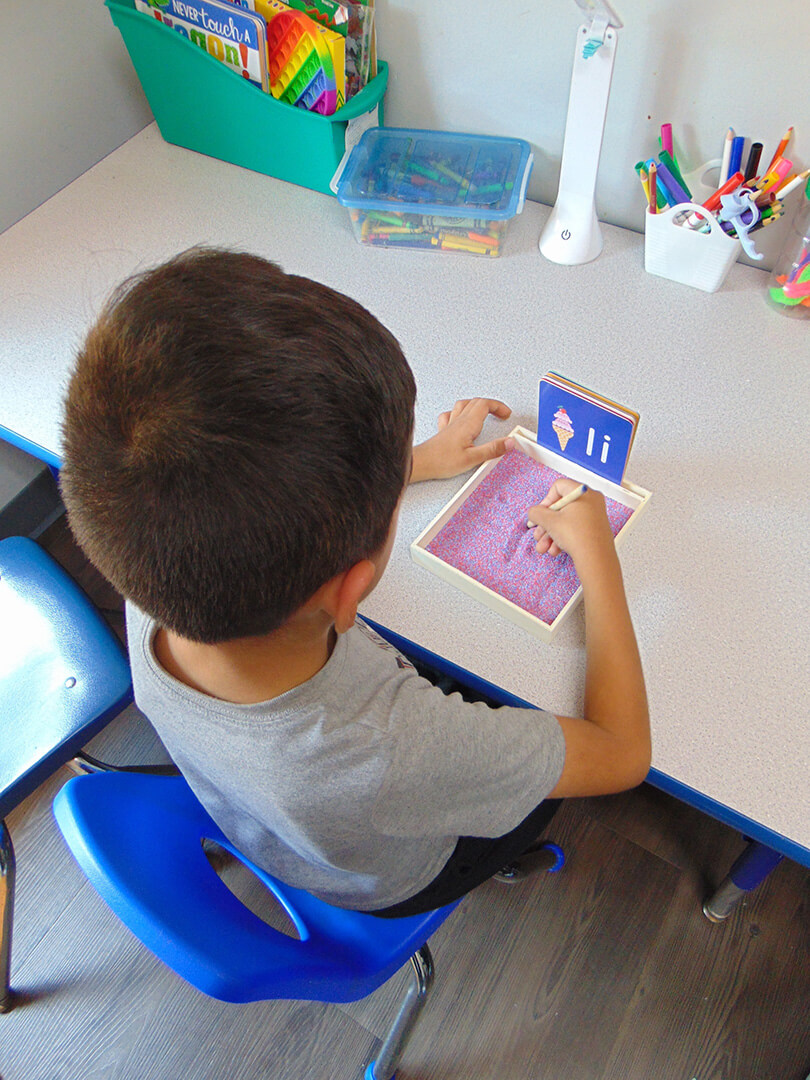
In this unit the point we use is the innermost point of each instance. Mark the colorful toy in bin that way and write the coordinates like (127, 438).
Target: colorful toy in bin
(305, 62)
(437, 190)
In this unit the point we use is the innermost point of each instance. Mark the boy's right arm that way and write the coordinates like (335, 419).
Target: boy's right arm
(608, 750)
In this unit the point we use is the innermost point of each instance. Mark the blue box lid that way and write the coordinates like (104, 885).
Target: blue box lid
(409, 170)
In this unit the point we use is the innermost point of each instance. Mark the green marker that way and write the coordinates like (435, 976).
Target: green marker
(672, 165)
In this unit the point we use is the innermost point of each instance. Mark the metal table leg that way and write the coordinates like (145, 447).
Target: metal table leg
(7, 879)
(750, 870)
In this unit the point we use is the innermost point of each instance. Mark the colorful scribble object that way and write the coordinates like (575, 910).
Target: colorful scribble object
(793, 291)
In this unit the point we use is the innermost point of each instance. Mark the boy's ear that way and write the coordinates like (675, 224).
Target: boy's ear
(341, 596)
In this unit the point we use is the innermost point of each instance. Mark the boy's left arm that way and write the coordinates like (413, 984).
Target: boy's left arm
(453, 449)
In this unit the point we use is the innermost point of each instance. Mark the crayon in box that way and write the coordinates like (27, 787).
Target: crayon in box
(229, 33)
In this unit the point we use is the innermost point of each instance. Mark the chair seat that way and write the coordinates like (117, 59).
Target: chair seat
(139, 841)
(63, 674)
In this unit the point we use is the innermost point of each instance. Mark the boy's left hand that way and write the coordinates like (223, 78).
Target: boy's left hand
(453, 449)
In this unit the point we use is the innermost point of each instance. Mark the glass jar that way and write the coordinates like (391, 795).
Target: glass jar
(789, 283)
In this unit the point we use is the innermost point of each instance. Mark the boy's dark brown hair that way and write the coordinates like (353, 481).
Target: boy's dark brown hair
(234, 436)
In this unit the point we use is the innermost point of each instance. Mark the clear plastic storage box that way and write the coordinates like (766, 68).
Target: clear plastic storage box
(434, 190)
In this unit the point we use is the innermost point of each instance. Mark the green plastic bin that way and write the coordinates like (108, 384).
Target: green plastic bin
(200, 104)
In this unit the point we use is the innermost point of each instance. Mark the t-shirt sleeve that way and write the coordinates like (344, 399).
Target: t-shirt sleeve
(464, 768)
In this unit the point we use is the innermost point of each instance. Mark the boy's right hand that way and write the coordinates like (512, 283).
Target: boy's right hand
(608, 749)
(581, 528)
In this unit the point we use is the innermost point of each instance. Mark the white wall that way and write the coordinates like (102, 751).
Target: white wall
(69, 96)
(505, 67)
(500, 67)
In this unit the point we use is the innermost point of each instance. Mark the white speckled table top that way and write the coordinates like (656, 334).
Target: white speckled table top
(716, 570)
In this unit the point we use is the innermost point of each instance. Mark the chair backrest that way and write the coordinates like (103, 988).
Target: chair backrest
(63, 673)
(139, 841)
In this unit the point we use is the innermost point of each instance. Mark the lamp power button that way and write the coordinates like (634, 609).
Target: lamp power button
(565, 234)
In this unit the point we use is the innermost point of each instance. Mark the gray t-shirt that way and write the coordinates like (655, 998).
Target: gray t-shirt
(357, 784)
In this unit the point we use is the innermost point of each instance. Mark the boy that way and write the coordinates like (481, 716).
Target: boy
(236, 445)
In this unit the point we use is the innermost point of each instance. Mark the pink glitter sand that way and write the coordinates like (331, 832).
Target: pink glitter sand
(487, 538)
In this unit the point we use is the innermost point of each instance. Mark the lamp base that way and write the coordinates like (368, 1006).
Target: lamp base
(572, 234)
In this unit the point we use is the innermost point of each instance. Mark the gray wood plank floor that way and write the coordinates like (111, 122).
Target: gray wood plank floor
(605, 971)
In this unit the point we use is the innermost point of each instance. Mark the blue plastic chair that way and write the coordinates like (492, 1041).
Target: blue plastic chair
(63, 676)
(139, 839)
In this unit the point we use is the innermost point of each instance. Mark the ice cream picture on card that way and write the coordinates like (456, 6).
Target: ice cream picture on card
(562, 427)
(587, 428)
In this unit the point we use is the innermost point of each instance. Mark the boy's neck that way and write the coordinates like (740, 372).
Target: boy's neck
(249, 670)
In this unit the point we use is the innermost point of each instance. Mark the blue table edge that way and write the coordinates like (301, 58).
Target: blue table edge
(30, 447)
(689, 795)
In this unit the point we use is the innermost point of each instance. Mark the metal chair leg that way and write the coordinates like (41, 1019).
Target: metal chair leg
(385, 1065)
(545, 856)
(83, 763)
(749, 870)
(8, 872)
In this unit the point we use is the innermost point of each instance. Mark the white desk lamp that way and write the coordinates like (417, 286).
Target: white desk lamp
(572, 234)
